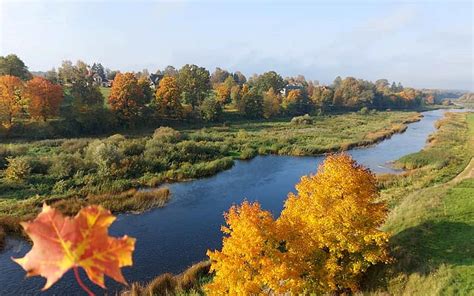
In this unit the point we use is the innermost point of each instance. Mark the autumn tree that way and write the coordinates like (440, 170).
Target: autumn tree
(322, 97)
(235, 96)
(12, 65)
(44, 98)
(167, 98)
(296, 103)
(193, 82)
(239, 78)
(224, 89)
(248, 261)
(11, 88)
(324, 240)
(333, 223)
(126, 97)
(271, 103)
(353, 93)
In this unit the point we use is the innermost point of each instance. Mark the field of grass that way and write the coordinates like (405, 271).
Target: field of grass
(432, 218)
(73, 172)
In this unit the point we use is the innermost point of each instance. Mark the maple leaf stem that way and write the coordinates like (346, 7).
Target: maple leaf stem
(81, 283)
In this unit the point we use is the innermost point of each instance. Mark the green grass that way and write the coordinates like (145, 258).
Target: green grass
(432, 219)
(105, 91)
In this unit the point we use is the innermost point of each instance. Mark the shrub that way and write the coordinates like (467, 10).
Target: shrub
(364, 111)
(17, 170)
(104, 155)
(248, 153)
(65, 165)
(166, 134)
(300, 120)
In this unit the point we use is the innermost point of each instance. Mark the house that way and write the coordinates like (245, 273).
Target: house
(290, 87)
(155, 79)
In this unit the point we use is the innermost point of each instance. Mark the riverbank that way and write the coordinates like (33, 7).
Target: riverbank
(430, 219)
(71, 173)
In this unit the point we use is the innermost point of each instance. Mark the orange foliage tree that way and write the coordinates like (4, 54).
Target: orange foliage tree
(126, 96)
(325, 239)
(44, 98)
(11, 88)
(167, 98)
(62, 243)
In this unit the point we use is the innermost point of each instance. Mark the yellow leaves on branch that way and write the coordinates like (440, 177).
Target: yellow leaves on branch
(324, 240)
(61, 243)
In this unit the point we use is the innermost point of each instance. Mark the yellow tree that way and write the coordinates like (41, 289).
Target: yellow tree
(332, 225)
(324, 240)
(248, 263)
(10, 99)
(167, 98)
(271, 103)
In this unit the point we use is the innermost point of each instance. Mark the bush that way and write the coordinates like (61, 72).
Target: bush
(364, 111)
(17, 170)
(248, 153)
(104, 155)
(166, 134)
(65, 165)
(300, 120)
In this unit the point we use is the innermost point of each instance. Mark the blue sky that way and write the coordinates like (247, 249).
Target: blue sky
(420, 43)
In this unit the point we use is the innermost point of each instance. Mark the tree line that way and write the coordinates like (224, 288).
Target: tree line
(73, 94)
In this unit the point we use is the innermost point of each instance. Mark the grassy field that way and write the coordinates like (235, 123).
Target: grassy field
(70, 173)
(432, 218)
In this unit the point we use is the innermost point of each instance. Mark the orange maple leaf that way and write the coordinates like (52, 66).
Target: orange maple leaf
(61, 243)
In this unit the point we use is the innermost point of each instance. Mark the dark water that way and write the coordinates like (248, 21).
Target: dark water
(174, 237)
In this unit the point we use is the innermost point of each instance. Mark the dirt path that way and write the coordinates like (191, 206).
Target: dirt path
(467, 173)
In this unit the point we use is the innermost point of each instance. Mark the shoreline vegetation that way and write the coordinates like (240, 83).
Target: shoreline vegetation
(71, 173)
(430, 218)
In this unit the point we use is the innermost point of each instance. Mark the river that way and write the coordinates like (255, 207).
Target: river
(174, 237)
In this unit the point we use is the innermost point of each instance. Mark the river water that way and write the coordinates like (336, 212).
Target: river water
(174, 237)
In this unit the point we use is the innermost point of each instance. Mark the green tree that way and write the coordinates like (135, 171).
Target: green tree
(194, 84)
(211, 109)
(252, 104)
(14, 66)
(99, 70)
(239, 78)
(268, 80)
(219, 76)
(144, 83)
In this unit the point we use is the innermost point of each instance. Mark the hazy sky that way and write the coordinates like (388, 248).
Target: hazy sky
(420, 43)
